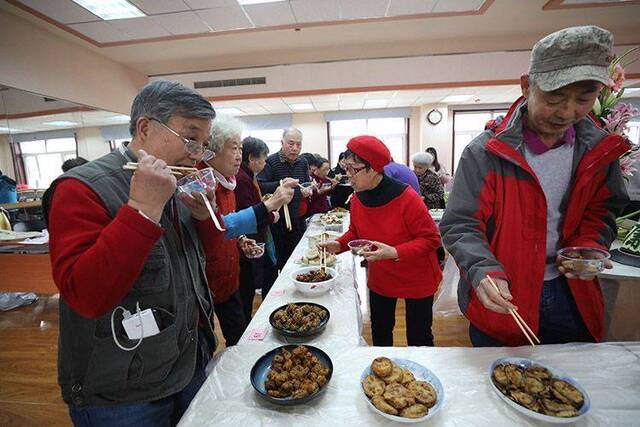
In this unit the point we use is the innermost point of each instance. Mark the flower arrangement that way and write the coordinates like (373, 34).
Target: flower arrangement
(615, 115)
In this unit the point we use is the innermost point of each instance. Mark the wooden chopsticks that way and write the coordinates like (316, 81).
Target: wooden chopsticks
(175, 170)
(323, 255)
(287, 214)
(519, 320)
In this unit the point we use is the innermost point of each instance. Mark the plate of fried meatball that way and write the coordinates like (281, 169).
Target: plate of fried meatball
(291, 374)
(299, 319)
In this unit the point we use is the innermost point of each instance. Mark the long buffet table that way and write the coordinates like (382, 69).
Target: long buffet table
(609, 372)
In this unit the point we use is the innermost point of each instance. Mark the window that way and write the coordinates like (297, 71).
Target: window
(43, 159)
(391, 131)
(115, 143)
(466, 126)
(633, 131)
(271, 137)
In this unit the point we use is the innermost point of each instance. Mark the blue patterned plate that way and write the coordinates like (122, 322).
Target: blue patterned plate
(526, 363)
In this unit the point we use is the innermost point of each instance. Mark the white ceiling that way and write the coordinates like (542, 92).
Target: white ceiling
(478, 96)
(178, 17)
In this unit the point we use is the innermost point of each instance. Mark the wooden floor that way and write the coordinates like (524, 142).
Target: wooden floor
(29, 393)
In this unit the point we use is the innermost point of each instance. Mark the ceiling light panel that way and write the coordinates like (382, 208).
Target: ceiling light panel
(111, 9)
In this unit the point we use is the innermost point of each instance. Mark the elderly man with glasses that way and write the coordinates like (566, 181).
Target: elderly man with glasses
(123, 247)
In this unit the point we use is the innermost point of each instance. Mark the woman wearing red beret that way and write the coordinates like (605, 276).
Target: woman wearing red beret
(403, 263)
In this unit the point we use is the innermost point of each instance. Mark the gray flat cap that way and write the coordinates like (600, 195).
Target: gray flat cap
(571, 55)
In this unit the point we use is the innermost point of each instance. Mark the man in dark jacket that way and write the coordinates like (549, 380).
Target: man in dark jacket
(544, 178)
(287, 163)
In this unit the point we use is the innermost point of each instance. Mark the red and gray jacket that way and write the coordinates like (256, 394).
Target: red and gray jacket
(496, 220)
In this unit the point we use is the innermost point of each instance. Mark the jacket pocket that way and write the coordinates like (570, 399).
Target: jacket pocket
(157, 356)
(155, 275)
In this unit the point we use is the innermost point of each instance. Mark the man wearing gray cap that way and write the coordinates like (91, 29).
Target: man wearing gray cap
(543, 178)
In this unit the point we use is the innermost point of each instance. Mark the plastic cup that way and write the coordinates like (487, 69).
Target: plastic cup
(255, 251)
(197, 182)
(359, 246)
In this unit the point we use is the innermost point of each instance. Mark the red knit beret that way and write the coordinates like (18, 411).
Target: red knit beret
(372, 150)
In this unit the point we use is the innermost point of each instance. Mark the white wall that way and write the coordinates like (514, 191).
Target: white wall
(314, 132)
(91, 144)
(6, 162)
(439, 136)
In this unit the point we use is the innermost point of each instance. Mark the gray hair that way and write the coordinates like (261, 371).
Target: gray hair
(290, 131)
(423, 159)
(223, 129)
(163, 99)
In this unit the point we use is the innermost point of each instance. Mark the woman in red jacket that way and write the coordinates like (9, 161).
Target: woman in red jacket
(403, 263)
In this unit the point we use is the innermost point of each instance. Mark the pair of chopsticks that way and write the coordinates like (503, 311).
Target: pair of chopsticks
(519, 320)
(323, 255)
(287, 215)
(175, 170)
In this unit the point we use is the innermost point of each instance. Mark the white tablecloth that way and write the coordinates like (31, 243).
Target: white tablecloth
(610, 374)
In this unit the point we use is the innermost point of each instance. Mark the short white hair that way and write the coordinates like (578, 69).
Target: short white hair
(423, 159)
(291, 131)
(223, 129)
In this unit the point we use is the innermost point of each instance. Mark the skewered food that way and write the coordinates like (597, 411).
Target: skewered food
(299, 317)
(395, 391)
(295, 374)
(536, 389)
(314, 276)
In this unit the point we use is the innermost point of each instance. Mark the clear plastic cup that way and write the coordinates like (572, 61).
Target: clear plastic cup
(255, 251)
(359, 246)
(583, 261)
(197, 182)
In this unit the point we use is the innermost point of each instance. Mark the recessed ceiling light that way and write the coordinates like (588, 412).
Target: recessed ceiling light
(230, 111)
(301, 107)
(111, 9)
(246, 2)
(119, 118)
(60, 123)
(375, 103)
(457, 98)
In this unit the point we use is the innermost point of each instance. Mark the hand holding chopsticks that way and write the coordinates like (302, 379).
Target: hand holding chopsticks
(178, 171)
(287, 214)
(517, 318)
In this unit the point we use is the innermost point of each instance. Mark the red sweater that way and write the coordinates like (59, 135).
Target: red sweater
(86, 243)
(404, 223)
(223, 258)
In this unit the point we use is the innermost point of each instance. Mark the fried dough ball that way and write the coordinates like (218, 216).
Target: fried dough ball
(381, 404)
(424, 393)
(414, 411)
(382, 367)
(395, 376)
(373, 386)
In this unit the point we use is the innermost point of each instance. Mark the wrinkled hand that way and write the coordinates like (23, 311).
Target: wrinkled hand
(382, 251)
(307, 191)
(152, 185)
(195, 203)
(282, 195)
(331, 246)
(493, 300)
(246, 245)
(569, 275)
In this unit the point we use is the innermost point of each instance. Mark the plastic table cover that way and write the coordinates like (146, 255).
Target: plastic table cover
(609, 372)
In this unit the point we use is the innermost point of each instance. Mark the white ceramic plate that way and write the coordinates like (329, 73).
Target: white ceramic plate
(421, 373)
(525, 363)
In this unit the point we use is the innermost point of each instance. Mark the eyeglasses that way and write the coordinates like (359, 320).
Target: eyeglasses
(353, 171)
(190, 145)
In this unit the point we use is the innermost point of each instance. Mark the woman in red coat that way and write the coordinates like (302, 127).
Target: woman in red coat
(403, 263)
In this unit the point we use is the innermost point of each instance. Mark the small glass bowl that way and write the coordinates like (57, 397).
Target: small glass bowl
(197, 182)
(255, 251)
(583, 261)
(359, 246)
